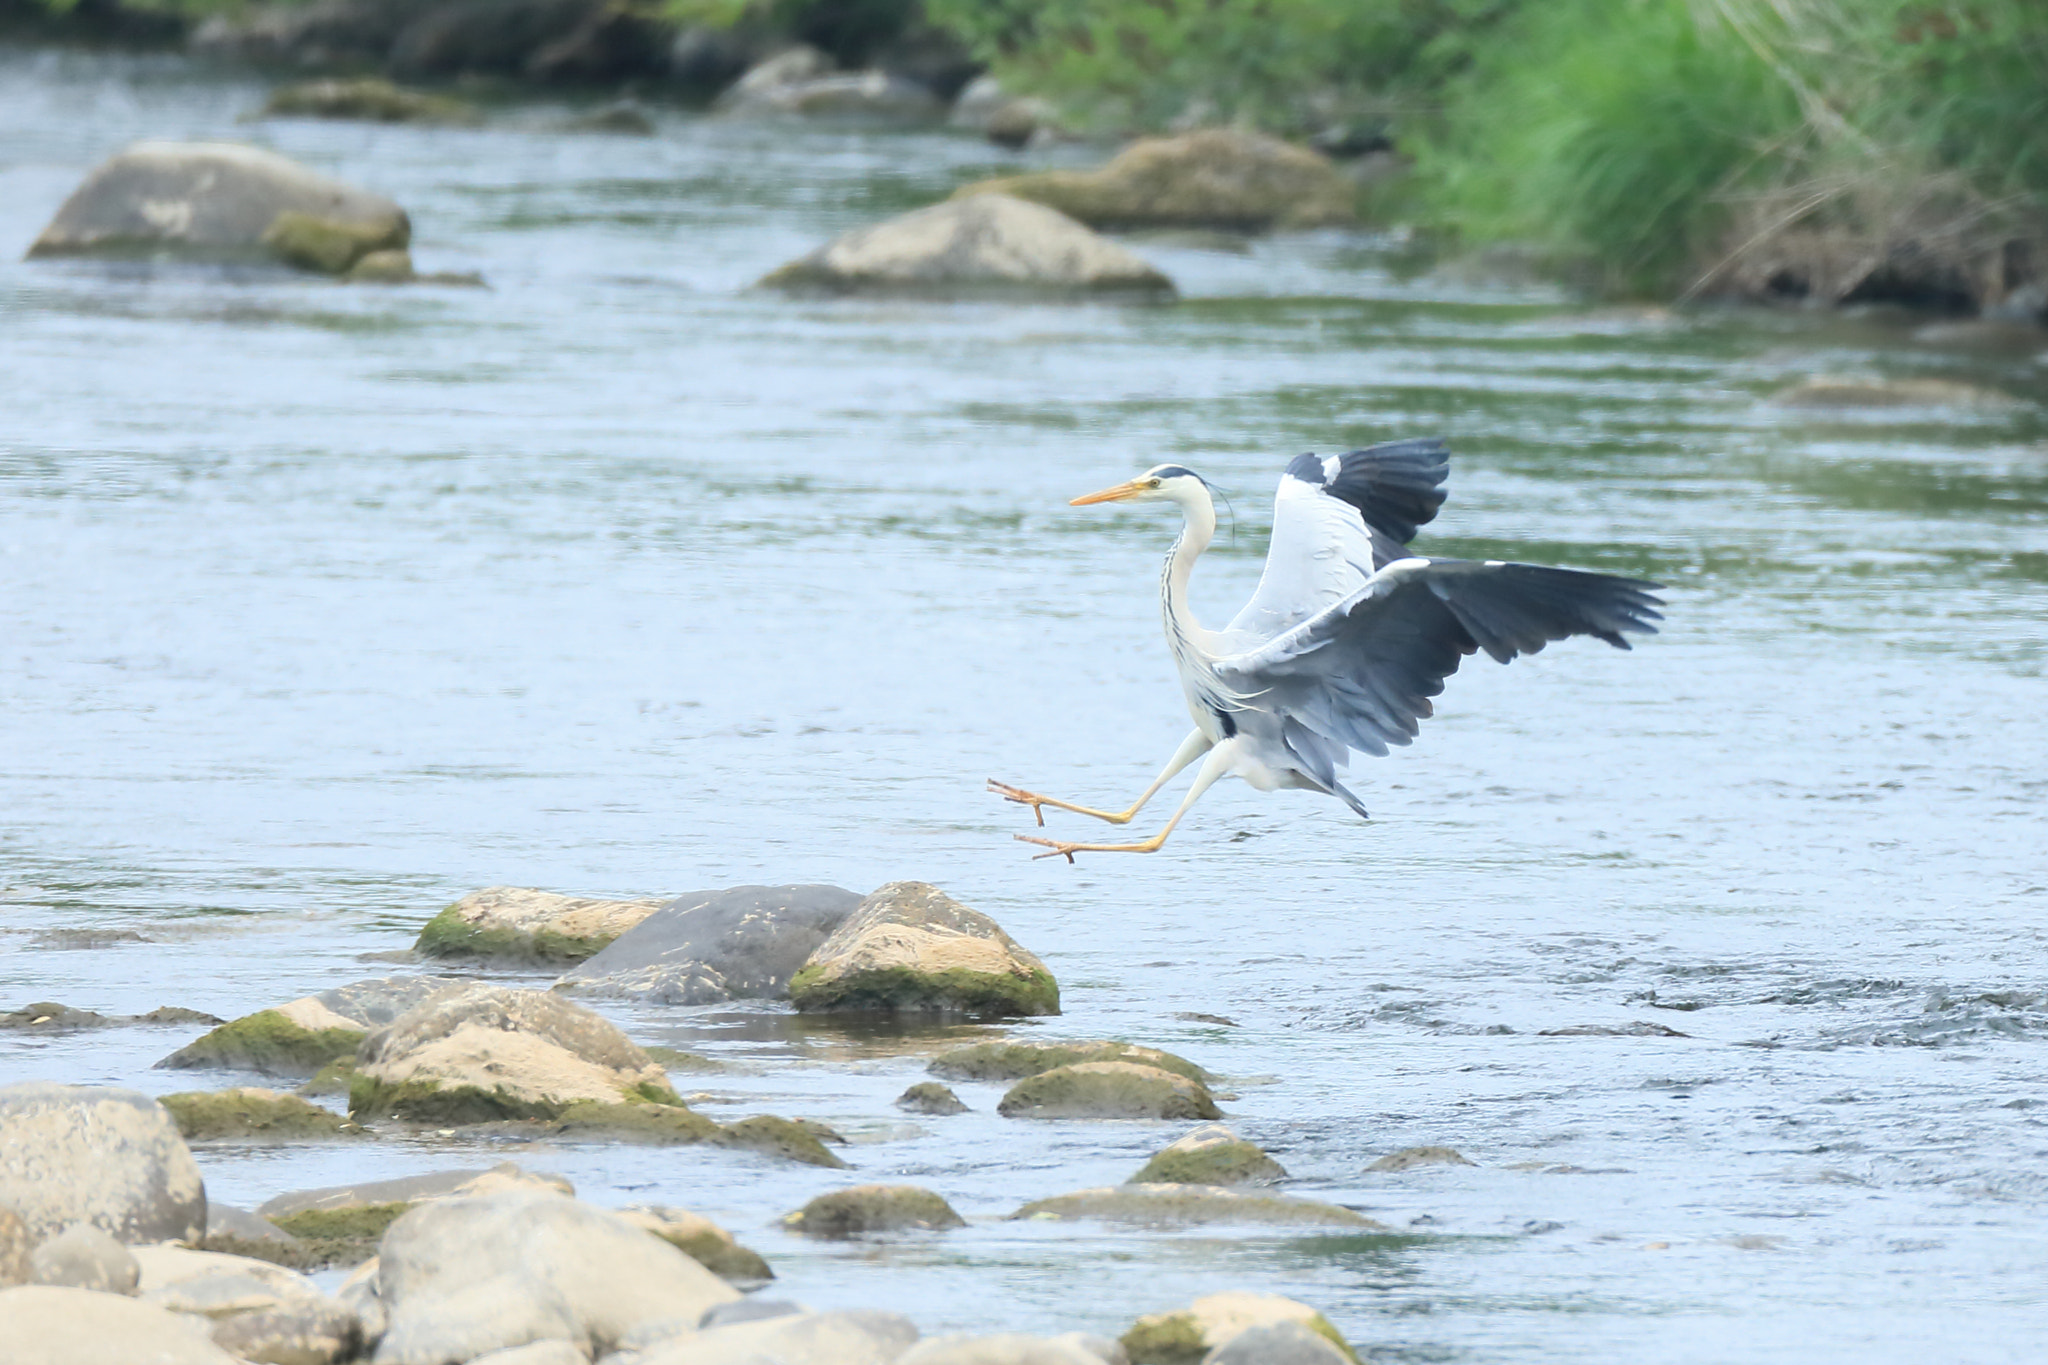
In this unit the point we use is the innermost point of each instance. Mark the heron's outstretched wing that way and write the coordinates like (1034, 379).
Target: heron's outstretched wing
(1362, 671)
(1336, 519)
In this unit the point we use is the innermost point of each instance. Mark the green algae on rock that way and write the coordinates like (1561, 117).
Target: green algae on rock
(1211, 1155)
(332, 1079)
(1408, 1158)
(702, 1240)
(1170, 1206)
(689, 1063)
(1185, 1336)
(929, 1097)
(1015, 1060)
(251, 1112)
(912, 949)
(521, 924)
(334, 1236)
(276, 1042)
(1108, 1090)
(780, 1137)
(667, 1122)
(874, 1208)
(367, 99)
(326, 246)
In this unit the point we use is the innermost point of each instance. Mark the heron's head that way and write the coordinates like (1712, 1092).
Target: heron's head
(1160, 483)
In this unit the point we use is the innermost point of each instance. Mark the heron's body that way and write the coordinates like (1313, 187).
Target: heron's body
(1348, 634)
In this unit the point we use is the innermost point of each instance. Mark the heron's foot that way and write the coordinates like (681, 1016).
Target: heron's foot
(1067, 851)
(1021, 797)
(1059, 850)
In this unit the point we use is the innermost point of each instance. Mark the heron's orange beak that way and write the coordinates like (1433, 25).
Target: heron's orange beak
(1117, 494)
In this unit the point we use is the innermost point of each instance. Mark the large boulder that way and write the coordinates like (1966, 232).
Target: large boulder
(1186, 1335)
(1108, 1090)
(1217, 178)
(220, 201)
(301, 1036)
(459, 1277)
(98, 1155)
(496, 1052)
(1013, 1060)
(1211, 1155)
(1169, 1206)
(874, 1208)
(51, 1325)
(744, 943)
(990, 244)
(912, 949)
(519, 924)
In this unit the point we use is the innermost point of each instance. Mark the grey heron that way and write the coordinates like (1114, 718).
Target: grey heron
(1348, 634)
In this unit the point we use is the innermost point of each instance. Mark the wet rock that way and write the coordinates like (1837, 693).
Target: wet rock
(304, 1036)
(16, 1244)
(987, 245)
(874, 1208)
(855, 1338)
(657, 1124)
(1280, 1343)
(520, 924)
(984, 107)
(621, 117)
(1108, 1090)
(1211, 1155)
(210, 200)
(1187, 1335)
(689, 1063)
(53, 1325)
(367, 99)
(250, 1112)
(300, 1331)
(1642, 1028)
(1008, 1348)
(743, 943)
(929, 1097)
(47, 1016)
(1193, 1206)
(1828, 391)
(495, 1052)
(459, 1277)
(912, 949)
(100, 1155)
(792, 66)
(83, 1257)
(702, 1240)
(1013, 1061)
(411, 1189)
(1217, 178)
(1408, 1158)
(780, 1137)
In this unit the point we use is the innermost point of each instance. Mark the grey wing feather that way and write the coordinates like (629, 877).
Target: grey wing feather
(1362, 671)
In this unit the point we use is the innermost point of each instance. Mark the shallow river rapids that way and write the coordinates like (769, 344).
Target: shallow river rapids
(322, 605)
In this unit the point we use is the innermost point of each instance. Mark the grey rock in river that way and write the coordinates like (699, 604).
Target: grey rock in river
(741, 943)
(1108, 1090)
(912, 949)
(874, 1208)
(100, 1155)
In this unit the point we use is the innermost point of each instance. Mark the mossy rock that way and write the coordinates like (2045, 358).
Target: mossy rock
(903, 990)
(780, 1137)
(367, 99)
(1408, 1158)
(252, 1113)
(874, 1208)
(702, 1241)
(1108, 1090)
(689, 1063)
(388, 266)
(527, 925)
(929, 1097)
(332, 1079)
(1188, 1206)
(1219, 1163)
(1187, 1336)
(326, 246)
(333, 1236)
(293, 1255)
(268, 1042)
(442, 1106)
(449, 935)
(1013, 1061)
(670, 1123)
(1166, 1339)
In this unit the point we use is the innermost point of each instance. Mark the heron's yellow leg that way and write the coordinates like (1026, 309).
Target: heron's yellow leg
(1190, 749)
(1218, 764)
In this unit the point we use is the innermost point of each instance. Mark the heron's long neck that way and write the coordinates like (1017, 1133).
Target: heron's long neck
(1182, 629)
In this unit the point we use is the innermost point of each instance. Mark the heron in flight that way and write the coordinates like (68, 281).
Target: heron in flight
(1348, 635)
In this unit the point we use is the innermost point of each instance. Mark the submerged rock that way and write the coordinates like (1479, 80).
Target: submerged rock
(1015, 1060)
(1193, 1206)
(520, 924)
(495, 1052)
(52, 1325)
(214, 200)
(874, 1208)
(1217, 178)
(1187, 1335)
(912, 949)
(702, 1240)
(1108, 1090)
(84, 1257)
(250, 1112)
(368, 99)
(99, 1155)
(1211, 1155)
(625, 118)
(303, 1036)
(780, 1137)
(407, 1190)
(988, 245)
(47, 1016)
(743, 943)
(1408, 1158)
(460, 1277)
(929, 1097)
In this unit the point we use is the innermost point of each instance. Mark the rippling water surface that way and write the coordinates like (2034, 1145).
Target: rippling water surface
(320, 606)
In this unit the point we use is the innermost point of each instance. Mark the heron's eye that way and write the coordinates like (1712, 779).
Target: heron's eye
(1157, 482)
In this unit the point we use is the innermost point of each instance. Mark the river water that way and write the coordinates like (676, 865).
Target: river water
(322, 605)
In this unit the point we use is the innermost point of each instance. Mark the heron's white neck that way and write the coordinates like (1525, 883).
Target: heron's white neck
(1197, 530)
